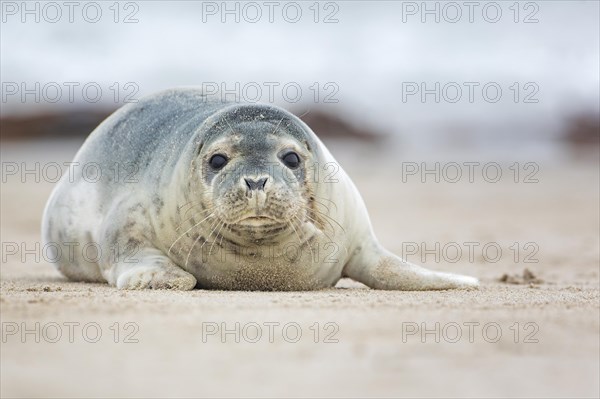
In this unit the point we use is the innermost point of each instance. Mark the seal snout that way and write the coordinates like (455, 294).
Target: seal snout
(258, 184)
(256, 192)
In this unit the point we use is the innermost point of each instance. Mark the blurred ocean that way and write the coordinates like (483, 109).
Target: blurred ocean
(368, 62)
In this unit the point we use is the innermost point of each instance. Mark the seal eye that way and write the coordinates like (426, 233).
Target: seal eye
(218, 161)
(291, 160)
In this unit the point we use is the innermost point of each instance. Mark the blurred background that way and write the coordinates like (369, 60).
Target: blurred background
(488, 76)
(395, 89)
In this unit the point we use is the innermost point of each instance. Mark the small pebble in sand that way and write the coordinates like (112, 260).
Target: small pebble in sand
(527, 278)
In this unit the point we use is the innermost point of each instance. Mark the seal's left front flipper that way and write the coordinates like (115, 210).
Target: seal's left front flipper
(380, 269)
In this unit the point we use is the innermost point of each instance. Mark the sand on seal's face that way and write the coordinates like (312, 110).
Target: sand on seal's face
(366, 342)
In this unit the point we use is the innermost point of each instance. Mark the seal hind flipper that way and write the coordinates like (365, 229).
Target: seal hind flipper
(378, 268)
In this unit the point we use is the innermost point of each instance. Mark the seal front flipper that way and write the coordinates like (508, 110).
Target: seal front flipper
(378, 268)
(130, 259)
(153, 270)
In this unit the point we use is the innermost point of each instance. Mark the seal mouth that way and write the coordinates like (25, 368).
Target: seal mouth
(257, 220)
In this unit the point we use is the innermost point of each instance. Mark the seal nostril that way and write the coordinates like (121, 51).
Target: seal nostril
(260, 184)
(256, 185)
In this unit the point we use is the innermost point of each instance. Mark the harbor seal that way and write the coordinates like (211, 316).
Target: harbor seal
(219, 196)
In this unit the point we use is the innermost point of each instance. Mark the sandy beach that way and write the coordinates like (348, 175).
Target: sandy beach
(537, 338)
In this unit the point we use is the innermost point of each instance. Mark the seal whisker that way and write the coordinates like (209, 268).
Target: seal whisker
(307, 241)
(326, 199)
(179, 208)
(314, 198)
(276, 127)
(330, 218)
(226, 121)
(293, 228)
(195, 206)
(288, 222)
(316, 222)
(213, 227)
(304, 114)
(191, 248)
(202, 212)
(187, 259)
(221, 241)
(187, 231)
(323, 205)
(323, 231)
(331, 239)
(217, 236)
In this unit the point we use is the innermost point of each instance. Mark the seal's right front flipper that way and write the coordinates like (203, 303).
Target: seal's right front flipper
(130, 260)
(148, 268)
(380, 269)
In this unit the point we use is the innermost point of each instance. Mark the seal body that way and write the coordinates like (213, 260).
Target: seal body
(177, 191)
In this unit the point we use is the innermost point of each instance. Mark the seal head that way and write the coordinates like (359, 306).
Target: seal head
(252, 172)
